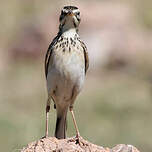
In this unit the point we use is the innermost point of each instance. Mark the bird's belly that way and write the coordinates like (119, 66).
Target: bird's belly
(69, 65)
(66, 72)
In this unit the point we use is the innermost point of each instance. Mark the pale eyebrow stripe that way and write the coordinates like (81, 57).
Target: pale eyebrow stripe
(64, 10)
(76, 10)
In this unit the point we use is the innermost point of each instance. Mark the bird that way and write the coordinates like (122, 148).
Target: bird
(66, 64)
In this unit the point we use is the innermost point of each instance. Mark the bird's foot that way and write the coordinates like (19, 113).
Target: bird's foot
(46, 136)
(78, 139)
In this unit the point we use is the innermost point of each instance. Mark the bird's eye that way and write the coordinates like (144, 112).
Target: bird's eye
(78, 13)
(63, 12)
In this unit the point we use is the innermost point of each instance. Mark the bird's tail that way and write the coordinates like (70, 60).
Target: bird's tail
(61, 126)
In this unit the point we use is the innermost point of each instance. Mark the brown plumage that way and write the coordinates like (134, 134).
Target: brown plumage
(65, 69)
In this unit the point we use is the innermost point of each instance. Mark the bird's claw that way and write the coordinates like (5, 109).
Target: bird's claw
(78, 139)
(46, 136)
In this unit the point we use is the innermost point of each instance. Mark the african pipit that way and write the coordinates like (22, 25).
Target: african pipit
(66, 64)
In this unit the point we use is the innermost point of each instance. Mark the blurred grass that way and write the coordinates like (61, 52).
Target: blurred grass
(144, 13)
(113, 108)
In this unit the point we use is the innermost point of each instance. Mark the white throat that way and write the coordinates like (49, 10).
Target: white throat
(69, 33)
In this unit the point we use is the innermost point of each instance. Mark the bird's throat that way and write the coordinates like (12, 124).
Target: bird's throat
(69, 32)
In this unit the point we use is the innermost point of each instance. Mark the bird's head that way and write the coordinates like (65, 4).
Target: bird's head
(70, 17)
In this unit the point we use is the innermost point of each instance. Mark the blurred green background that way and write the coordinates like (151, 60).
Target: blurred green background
(115, 105)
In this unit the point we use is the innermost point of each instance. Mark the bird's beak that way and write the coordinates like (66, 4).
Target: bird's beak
(70, 14)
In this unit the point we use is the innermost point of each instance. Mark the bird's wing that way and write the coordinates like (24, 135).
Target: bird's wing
(48, 55)
(86, 56)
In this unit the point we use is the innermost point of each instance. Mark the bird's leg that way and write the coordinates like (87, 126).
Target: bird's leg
(47, 117)
(73, 97)
(75, 124)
